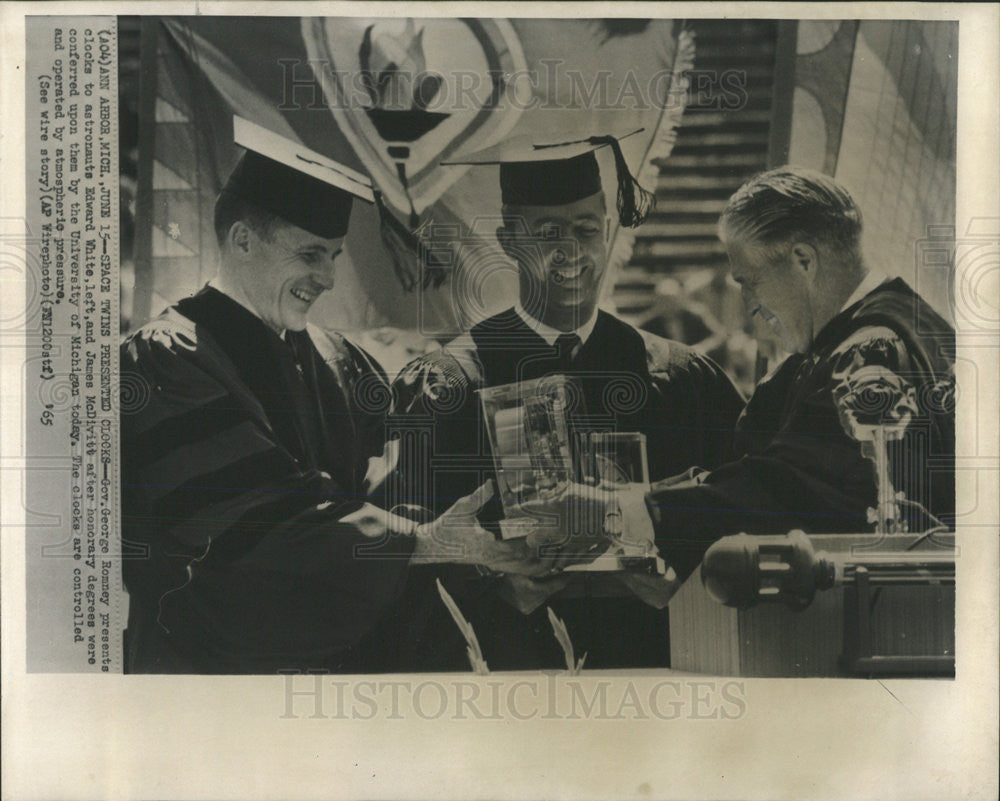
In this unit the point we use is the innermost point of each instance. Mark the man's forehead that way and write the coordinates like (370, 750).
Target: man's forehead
(747, 259)
(297, 237)
(592, 207)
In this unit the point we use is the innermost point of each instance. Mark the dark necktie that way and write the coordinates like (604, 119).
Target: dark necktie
(567, 346)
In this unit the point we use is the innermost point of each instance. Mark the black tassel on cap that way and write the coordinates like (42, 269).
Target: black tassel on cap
(634, 202)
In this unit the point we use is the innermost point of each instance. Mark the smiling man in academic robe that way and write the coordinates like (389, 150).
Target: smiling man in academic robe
(247, 475)
(555, 229)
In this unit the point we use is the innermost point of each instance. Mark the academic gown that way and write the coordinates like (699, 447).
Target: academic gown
(244, 455)
(631, 381)
(797, 467)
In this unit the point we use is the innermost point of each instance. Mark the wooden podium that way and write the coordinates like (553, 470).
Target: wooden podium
(909, 630)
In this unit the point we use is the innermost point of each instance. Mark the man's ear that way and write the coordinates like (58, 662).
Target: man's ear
(240, 238)
(805, 259)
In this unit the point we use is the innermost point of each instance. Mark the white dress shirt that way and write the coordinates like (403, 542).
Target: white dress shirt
(549, 334)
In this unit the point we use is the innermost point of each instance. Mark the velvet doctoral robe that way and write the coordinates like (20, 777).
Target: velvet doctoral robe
(240, 456)
(797, 466)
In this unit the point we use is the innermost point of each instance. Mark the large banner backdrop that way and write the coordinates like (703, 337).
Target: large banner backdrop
(391, 98)
(872, 103)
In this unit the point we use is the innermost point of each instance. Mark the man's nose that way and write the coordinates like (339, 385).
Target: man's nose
(324, 275)
(568, 252)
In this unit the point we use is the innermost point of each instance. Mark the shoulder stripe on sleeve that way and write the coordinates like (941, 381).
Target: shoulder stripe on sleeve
(182, 463)
(189, 425)
(254, 512)
(241, 477)
(291, 513)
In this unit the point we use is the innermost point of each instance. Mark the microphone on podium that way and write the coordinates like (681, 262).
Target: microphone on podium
(747, 569)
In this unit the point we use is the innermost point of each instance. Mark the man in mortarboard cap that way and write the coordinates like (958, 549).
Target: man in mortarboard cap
(555, 229)
(247, 473)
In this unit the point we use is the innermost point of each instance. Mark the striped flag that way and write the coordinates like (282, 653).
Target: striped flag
(874, 105)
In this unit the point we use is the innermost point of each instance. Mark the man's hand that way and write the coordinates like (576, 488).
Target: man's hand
(636, 524)
(456, 536)
(570, 528)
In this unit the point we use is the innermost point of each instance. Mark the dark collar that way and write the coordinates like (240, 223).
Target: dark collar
(831, 333)
(230, 323)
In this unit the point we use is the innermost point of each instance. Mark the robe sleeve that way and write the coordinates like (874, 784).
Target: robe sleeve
(436, 422)
(810, 474)
(437, 419)
(240, 559)
(696, 406)
(370, 400)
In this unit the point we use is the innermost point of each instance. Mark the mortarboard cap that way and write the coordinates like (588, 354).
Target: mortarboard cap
(534, 172)
(293, 182)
